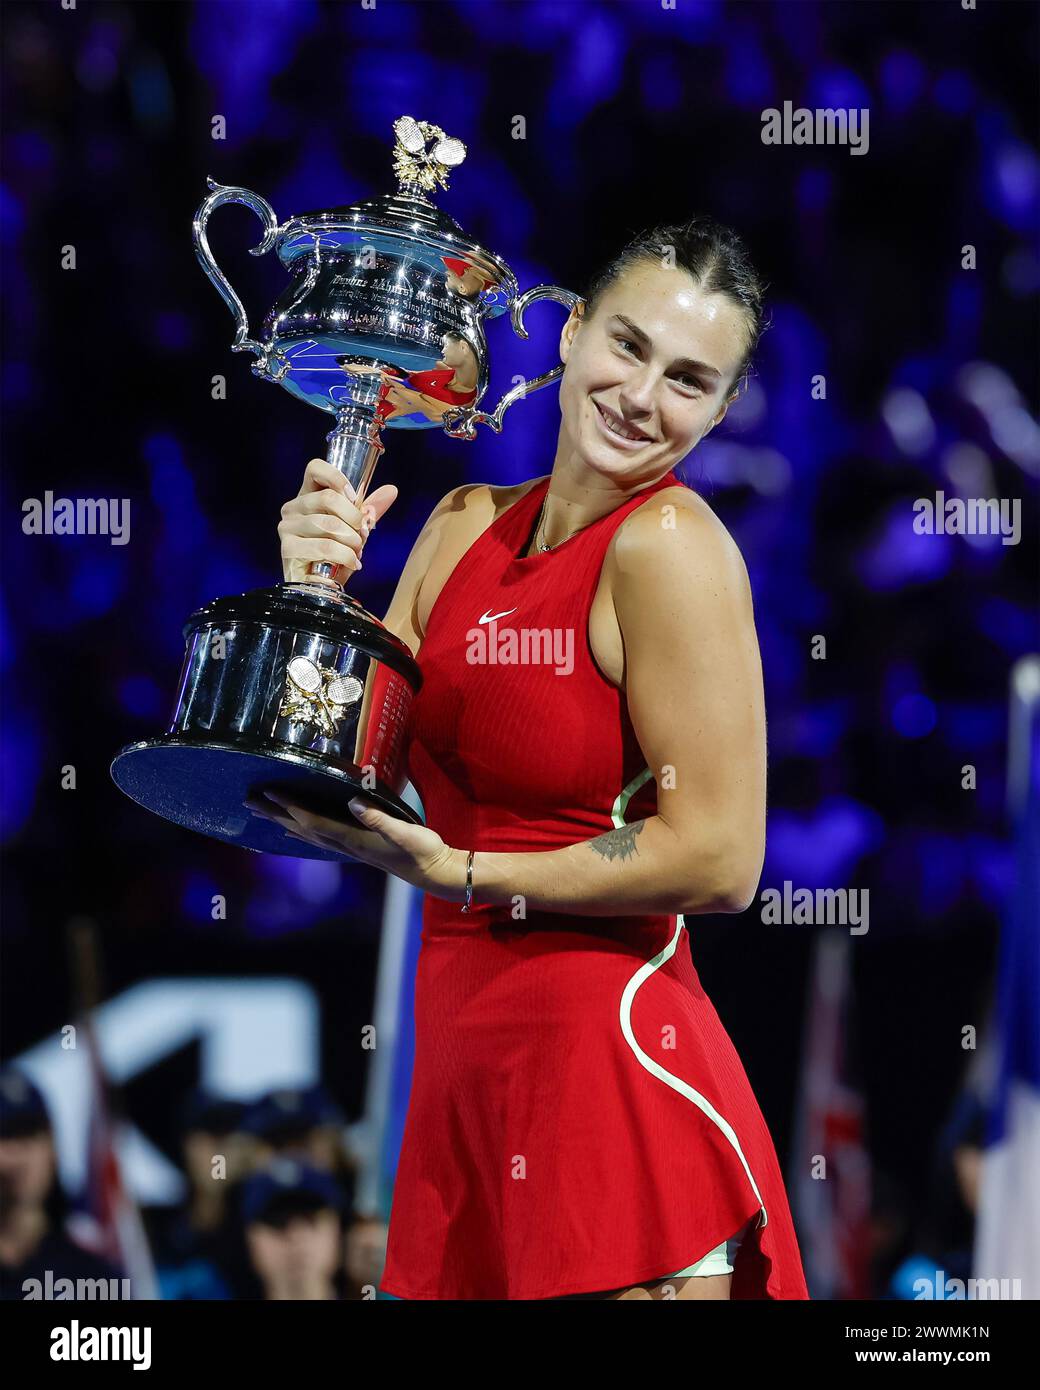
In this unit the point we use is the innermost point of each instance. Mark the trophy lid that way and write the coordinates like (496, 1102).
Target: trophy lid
(423, 159)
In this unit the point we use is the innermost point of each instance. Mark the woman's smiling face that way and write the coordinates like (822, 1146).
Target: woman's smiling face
(647, 372)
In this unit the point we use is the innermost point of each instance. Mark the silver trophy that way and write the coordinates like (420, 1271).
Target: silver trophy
(382, 326)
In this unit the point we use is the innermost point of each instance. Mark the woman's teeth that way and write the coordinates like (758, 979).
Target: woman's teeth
(616, 428)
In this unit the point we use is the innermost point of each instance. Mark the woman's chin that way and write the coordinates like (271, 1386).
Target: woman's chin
(615, 463)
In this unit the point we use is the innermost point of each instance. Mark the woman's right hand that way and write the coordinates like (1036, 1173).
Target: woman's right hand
(323, 522)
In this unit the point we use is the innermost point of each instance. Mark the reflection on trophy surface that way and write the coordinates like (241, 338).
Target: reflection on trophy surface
(449, 384)
(464, 279)
(382, 326)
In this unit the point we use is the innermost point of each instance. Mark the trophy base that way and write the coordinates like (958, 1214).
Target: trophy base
(202, 785)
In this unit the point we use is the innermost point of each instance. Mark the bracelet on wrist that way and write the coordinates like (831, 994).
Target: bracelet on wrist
(469, 882)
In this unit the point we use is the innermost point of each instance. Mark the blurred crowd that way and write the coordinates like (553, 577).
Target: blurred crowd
(268, 1212)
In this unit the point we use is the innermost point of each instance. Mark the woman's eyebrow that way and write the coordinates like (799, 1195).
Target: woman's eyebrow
(688, 362)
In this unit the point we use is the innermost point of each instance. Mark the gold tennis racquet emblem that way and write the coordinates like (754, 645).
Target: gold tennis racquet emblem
(317, 695)
(423, 155)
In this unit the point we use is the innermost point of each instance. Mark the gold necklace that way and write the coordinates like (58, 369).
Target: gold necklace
(541, 520)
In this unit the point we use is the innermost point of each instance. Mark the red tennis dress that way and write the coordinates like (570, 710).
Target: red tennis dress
(579, 1119)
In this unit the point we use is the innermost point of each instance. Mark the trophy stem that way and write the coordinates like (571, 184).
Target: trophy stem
(355, 443)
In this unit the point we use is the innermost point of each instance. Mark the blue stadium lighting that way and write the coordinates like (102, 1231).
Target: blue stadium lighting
(913, 716)
(903, 81)
(142, 697)
(173, 330)
(21, 754)
(98, 582)
(197, 896)
(955, 92)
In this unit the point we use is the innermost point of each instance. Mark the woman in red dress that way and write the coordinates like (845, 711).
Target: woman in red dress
(589, 745)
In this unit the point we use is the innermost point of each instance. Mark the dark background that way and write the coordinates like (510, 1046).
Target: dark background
(634, 114)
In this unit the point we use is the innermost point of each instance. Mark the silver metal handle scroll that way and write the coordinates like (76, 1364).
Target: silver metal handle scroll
(461, 424)
(220, 194)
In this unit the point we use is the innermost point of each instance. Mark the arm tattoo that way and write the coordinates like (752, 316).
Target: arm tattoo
(617, 844)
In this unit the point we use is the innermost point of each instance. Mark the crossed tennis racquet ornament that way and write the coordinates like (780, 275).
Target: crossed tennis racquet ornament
(317, 695)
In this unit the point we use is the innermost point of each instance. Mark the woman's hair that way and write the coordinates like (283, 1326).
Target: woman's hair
(712, 254)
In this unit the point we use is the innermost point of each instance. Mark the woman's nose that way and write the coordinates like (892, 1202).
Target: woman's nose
(637, 393)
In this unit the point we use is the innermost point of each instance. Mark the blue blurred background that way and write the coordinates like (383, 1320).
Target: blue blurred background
(633, 113)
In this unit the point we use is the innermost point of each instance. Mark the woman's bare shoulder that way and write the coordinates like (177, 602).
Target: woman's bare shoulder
(690, 513)
(681, 499)
(472, 507)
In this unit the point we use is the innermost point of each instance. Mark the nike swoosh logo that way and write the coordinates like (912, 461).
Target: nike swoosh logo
(490, 617)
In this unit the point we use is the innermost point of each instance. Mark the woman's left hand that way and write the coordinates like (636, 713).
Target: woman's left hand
(412, 852)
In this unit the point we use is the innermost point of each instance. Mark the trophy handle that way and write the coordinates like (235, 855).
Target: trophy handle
(461, 424)
(224, 193)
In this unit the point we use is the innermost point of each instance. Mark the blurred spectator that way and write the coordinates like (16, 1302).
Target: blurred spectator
(305, 1124)
(365, 1256)
(34, 1244)
(292, 1214)
(308, 1126)
(197, 1247)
